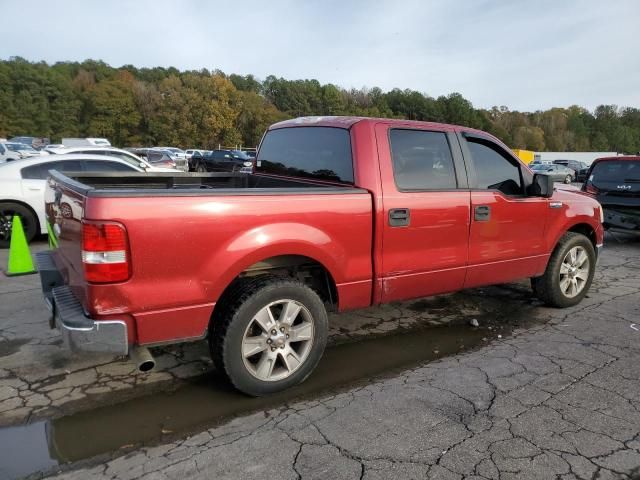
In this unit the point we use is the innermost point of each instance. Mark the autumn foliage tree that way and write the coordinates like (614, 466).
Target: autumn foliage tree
(164, 106)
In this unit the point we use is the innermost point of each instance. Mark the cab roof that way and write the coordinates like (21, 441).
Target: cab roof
(348, 121)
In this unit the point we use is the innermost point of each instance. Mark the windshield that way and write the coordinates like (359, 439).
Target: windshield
(615, 171)
(539, 166)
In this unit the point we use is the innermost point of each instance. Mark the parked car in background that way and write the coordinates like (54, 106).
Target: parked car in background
(581, 175)
(22, 187)
(342, 213)
(118, 153)
(615, 183)
(10, 151)
(36, 142)
(580, 168)
(559, 173)
(161, 158)
(83, 142)
(540, 162)
(223, 161)
(191, 151)
(176, 155)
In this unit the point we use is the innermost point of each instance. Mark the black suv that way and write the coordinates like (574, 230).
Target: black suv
(222, 161)
(615, 183)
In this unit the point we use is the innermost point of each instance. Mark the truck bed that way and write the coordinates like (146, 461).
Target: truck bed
(116, 184)
(190, 235)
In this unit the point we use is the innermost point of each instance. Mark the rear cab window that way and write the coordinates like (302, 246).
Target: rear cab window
(321, 153)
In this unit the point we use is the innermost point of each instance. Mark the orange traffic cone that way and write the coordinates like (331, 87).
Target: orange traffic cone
(20, 261)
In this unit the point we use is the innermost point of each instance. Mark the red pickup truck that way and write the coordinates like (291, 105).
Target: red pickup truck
(340, 213)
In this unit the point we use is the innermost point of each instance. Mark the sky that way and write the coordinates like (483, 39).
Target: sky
(526, 55)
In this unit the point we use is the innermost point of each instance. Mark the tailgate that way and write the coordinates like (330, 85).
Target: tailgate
(64, 208)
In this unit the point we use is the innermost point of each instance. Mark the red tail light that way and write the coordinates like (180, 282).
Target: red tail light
(105, 252)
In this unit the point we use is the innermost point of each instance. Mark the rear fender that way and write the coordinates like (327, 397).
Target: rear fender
(267, 241)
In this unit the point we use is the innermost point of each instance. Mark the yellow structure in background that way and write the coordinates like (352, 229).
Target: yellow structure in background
(525, 155)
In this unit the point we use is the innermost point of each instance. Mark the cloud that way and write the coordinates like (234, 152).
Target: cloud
(526, 55)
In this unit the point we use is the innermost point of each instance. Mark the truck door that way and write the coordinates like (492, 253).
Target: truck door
(507, 226)
(426, 212)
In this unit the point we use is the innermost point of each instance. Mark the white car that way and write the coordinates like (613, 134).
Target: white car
(111, 152)
(22, 187)
(10, 151)
(83, 142)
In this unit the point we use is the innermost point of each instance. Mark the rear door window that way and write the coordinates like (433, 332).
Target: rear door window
(41, 171)
(421, 160)
(322, 153)
(106, 166)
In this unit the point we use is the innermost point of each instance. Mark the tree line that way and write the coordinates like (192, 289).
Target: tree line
(165, 106)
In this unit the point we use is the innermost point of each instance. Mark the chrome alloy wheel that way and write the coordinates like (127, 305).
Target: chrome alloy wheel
(278, 340)
(574, 272)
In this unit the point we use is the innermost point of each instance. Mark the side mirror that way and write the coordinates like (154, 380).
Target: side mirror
(542, 186)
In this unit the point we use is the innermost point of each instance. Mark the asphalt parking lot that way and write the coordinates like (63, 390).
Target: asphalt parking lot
(407, 390)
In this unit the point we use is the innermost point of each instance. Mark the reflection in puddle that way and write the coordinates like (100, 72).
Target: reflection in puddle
(208, 401)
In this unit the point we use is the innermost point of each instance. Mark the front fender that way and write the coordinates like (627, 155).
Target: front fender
(576, 209)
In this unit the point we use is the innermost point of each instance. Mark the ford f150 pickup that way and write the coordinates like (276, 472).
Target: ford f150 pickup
(340, 213)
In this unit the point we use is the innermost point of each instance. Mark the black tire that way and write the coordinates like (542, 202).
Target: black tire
(568, 179)
(29, 222)
(200, 168)
(236, 312)
(547, 287)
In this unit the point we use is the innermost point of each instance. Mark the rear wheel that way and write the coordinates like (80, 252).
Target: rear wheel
(201, 168)
(569, 272)
(270, 335)
(28, 219)
(568, 179)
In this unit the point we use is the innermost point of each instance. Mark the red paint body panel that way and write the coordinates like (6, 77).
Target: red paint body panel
(511, 240)
(186, 250)
(429, 256)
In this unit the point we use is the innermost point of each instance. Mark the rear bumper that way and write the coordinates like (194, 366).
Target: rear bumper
(79, 332)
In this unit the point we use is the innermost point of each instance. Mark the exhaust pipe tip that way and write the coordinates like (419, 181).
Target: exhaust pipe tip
(142, 358)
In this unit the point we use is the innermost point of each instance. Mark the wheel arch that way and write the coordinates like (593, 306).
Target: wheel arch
(304, 268)
(587, 230)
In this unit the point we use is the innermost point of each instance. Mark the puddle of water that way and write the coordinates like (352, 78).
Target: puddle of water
(24, 450)
(209, 401)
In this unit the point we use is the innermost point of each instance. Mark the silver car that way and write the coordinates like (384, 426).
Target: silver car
(560, 173)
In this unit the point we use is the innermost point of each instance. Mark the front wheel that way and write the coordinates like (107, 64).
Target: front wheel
(569, 272)
(201, 168)
(270, 335)
(568, 179)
